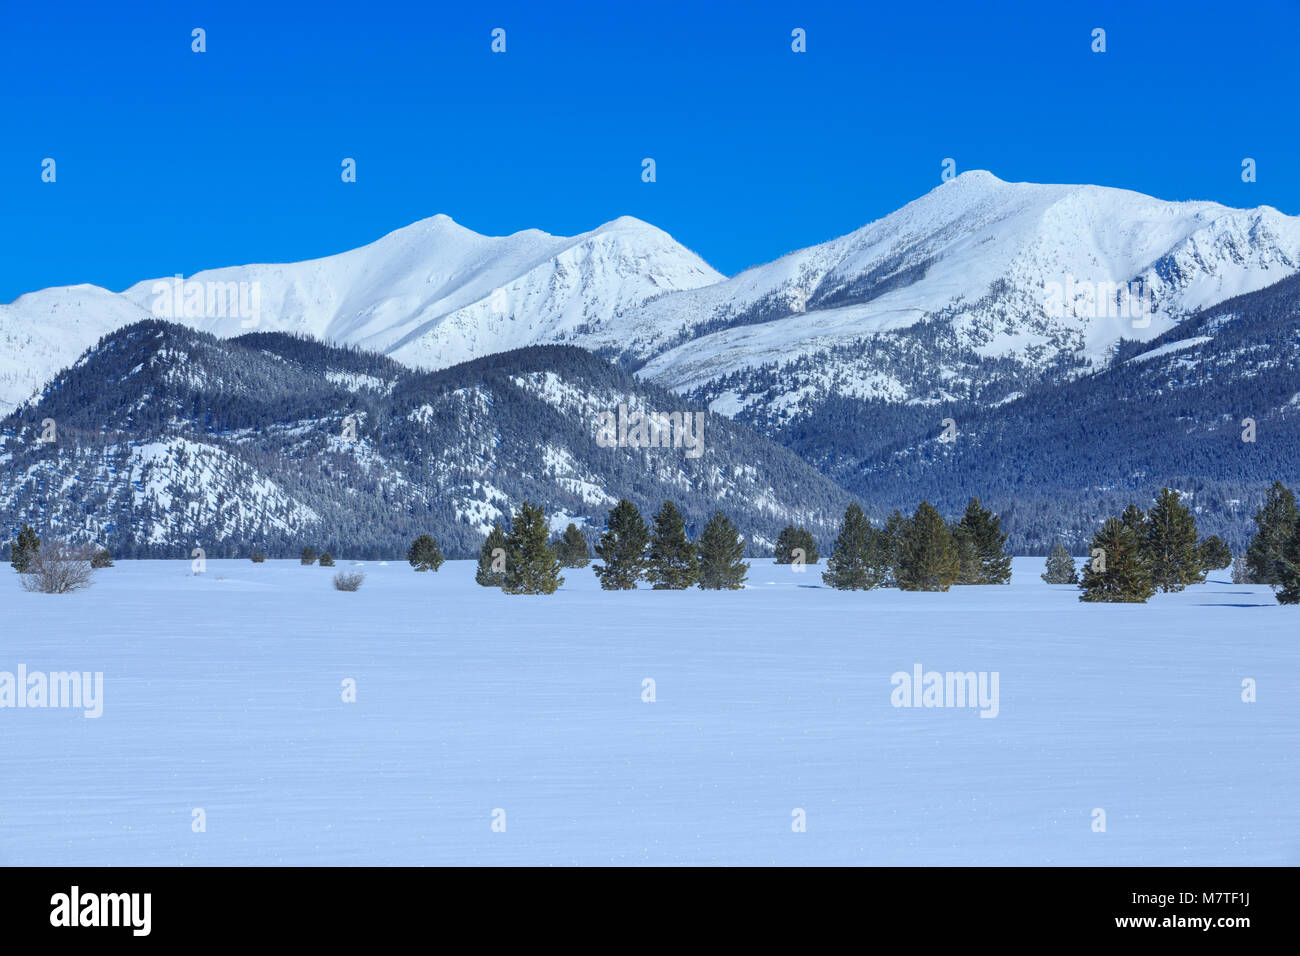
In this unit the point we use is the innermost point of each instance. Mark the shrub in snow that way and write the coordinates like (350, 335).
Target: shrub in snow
(348, 580)
(308, 556)
(258, 557)
(102, 558)
(58, 567)
(327, 560)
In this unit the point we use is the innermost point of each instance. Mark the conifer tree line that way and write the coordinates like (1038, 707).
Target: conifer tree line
(630, 553)
(1131, 556)
(922, 552)
(1141, 552)
(662, 554)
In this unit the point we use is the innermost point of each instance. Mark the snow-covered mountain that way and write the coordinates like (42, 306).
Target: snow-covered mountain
(167, 437)
(977, 271)
(430, 295)
(975, 291)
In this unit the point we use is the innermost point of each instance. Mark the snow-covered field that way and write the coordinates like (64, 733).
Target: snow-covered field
(223, 692)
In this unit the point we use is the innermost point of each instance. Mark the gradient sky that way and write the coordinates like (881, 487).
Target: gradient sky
(171, 161)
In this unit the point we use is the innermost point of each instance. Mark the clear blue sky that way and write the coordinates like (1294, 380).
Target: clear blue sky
(171, 161)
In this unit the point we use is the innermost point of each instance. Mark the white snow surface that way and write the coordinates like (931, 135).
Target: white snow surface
(222, 692)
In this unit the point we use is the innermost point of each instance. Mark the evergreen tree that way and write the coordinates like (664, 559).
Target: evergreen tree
(1135, 519)
(308, 556)
(1119, 572)
(622, 547)
(258, 557)
(24, 549)
(721, 552)
(491, 571)
(1288, 569)
(928, 559)
(1275, 520)
(1169, 543)
(327, 560)
(424, 554)
(983, 529)
(1060, 567)
(968, 559)
(572, 548)
(1214, 553)
(890, 543)
(531, 565)
(1240, 573)
(673, 565)
(790, 542)
(103, 558)
(850, 566)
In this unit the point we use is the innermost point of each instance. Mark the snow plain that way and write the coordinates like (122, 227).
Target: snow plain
(223, 692)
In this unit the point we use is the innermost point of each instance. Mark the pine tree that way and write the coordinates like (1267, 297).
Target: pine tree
(424, 554)
(531, 565)
(890, 543)
(1288, 569)
(721, 553)
(1060, 567)
(1135, 519)
(308, 556)
(491, 571)
(1118, 570)
(1169, 543)
(928, 559)
(968, 558)
(1214, 553)
(1275, 520)
(673, 565)
(572, 548)
(849, 566)
(103, 558)
(327, 560)
(622, 547)
(1240, 573)
(24, 549)
(992, 565)
(791, 542)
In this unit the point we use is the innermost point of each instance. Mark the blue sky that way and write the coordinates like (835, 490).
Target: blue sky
(171, 161)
